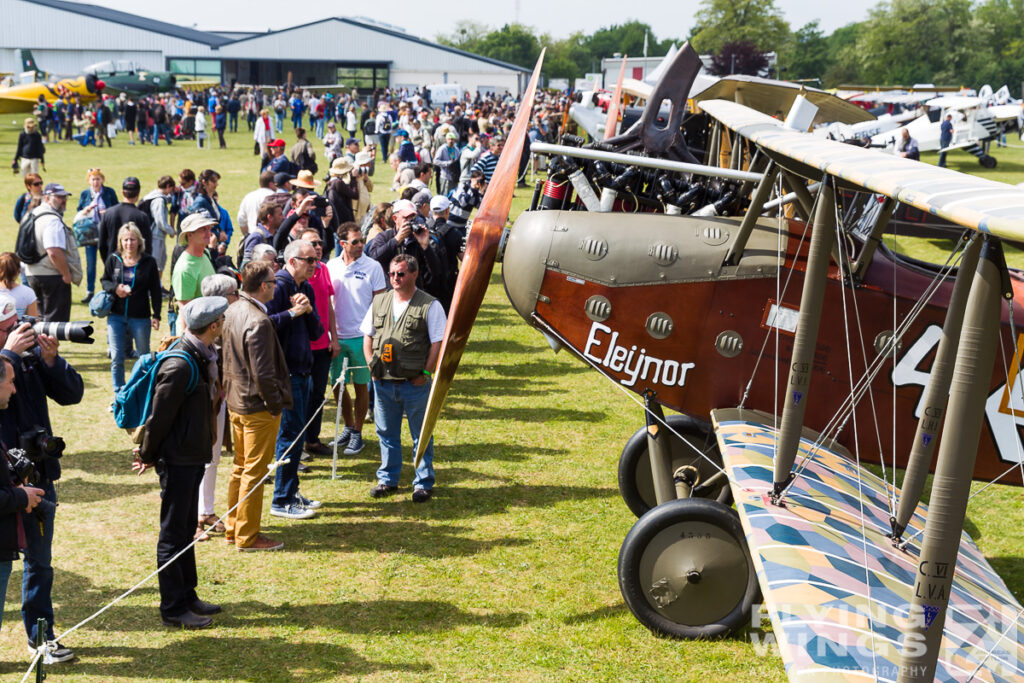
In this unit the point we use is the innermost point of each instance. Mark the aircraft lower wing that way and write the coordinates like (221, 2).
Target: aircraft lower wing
(836, 590)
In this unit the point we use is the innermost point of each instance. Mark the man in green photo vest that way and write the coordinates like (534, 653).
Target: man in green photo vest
(403, 331)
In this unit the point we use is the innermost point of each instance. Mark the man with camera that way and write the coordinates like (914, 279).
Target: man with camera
(177, 441)
(38, 374)
(410, 236)
(15, 494)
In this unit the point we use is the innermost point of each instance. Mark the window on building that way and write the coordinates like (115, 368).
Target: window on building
(363, 77)
(198, 69)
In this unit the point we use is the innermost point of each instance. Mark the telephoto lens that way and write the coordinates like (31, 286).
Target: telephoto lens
(77, 331)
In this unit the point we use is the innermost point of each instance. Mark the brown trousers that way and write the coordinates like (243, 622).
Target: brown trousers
(254, 437)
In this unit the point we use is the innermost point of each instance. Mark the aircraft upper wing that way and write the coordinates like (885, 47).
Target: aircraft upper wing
(972, 202)
(777, 96)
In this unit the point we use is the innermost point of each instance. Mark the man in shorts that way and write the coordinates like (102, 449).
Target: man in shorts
(356, 279)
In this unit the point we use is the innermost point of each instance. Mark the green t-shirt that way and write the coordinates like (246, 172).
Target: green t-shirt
(189, 273)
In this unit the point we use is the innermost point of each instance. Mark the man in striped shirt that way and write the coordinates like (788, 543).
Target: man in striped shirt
(466, 198)
(489, 159)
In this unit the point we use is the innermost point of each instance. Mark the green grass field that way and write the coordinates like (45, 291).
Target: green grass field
(508, 574)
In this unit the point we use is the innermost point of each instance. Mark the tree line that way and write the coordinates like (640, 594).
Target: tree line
(900, 42)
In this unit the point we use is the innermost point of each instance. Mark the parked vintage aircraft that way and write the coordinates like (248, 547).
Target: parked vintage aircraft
(796, 350)
(22, 98)
(977, 119)
(119, 76)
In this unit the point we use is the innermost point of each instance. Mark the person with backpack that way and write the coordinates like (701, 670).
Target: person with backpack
(177, 440)
(47, 247)
(302, 153)
(382, 127)
(132, 278)
(92, 205)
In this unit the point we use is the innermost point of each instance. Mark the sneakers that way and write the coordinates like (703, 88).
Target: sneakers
(342, 439)
(303, 467)
(262, 543)
(87, 298)
(355, 444)
(308, 503)
(381, 490)
(58, 653)
(293, 511)
(422, 495)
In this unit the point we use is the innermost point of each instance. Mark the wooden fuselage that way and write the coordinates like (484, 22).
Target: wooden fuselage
(700, 335)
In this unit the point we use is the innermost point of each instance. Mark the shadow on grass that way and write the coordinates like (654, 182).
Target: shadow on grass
(539, 415)
(213, 656)
(599, 614)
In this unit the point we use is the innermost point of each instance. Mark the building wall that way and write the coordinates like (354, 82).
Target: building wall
(469, 80)
(73, 61)
(64, 35)
(337, 41)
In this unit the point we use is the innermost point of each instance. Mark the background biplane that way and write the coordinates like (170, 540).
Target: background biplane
(796, 350)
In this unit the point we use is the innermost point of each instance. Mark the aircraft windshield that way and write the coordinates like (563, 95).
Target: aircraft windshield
(100, 68)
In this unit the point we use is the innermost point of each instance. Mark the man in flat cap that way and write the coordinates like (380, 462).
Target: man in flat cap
(177, 441)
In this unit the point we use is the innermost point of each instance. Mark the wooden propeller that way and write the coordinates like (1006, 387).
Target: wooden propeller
(478, 262)
(611, 126)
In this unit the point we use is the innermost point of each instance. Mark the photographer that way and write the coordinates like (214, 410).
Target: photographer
(15, 495)
(411, 237)
(304, 211)
(40, 374)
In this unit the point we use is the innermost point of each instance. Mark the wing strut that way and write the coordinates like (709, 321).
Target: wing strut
(952, 484)
(934, 404)
(794, 402)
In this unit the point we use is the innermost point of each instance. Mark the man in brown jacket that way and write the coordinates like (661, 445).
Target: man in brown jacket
(258, 388)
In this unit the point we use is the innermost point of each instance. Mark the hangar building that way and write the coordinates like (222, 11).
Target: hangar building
(67, 36)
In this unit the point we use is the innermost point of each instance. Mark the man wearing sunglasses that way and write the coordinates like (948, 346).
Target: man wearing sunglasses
(403, 331)
(356, 279)
(293, 312)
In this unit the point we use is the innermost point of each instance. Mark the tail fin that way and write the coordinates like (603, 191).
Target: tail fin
(28, 63)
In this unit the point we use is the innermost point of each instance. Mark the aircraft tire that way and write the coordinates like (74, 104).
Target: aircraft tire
(987, 161)
(635, 482)
(685, 570)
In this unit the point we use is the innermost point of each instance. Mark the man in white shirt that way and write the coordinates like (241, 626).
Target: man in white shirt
(356, 279)
(251, 202)
(52, 275)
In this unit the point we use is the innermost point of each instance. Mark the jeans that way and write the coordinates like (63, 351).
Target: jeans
(90, 268)
(384, 138)
(5, 576)
(233, 121)
(318, 379)
(37, 579)
(164, 129)
(392, 399)
(278, 122)
(286, 476)
(118, 329)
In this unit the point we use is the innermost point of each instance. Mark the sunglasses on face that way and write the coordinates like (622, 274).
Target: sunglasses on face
(317, 243)
(311, 260)
(354, 242)
(398, 275)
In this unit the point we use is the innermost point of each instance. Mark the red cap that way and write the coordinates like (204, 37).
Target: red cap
(278, 142)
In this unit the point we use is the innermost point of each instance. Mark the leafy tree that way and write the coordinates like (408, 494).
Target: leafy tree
(809, 56)
(513, 43)
(740, 57)
(756, 21)
(467, 35)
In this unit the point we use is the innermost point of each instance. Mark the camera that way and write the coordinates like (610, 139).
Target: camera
(319, 203)
(79, 331)
(35, 446)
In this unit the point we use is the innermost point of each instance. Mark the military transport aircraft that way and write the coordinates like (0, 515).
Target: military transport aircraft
(795, 350)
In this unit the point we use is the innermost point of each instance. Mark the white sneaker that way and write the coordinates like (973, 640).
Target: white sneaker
(293, 511)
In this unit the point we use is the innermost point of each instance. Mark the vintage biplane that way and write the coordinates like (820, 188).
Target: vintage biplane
(795, 351)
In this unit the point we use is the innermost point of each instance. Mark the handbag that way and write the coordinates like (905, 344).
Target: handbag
(101, 303)
(86, 232)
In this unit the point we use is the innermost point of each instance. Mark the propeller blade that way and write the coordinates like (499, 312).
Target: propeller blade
(613, 109)
(475, 274)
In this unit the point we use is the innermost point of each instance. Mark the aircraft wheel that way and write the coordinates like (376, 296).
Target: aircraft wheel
(635, 480)
(685, 570)
(987, 161)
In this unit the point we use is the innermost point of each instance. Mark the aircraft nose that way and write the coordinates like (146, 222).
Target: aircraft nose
(526, 258)
(100, 85)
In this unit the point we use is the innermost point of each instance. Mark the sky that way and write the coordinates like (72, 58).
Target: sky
(429, 18)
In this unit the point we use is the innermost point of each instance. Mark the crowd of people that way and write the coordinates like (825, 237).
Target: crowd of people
(328, 277)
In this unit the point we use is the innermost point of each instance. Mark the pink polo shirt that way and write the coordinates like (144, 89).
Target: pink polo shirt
(323, 290)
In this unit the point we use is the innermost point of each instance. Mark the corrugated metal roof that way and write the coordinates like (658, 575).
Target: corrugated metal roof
(393, 34)
(124, 18)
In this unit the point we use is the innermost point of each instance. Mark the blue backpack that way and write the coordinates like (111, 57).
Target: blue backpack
(133, 401)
